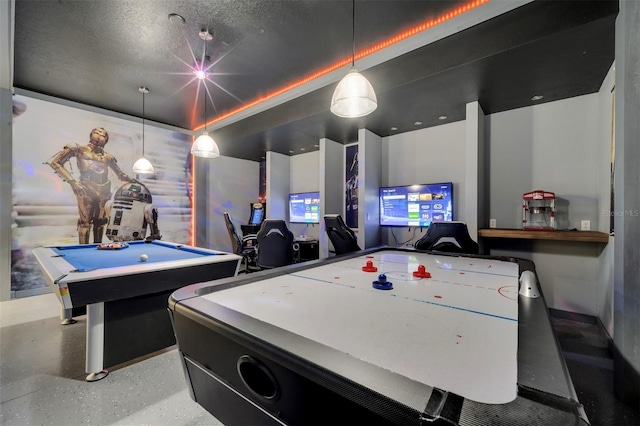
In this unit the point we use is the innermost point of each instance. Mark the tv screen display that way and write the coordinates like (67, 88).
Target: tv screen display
(416, 205)
(304, 207)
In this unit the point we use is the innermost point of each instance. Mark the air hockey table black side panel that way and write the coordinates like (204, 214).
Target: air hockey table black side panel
(210, 359)
(213, 358)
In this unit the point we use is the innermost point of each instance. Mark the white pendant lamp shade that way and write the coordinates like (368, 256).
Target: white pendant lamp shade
(354, 96)
(143, 166)
(205, 146)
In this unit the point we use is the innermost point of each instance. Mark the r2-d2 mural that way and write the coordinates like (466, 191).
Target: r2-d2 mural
(130, 211)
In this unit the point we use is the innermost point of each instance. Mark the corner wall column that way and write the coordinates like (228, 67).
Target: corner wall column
(278, 172)
(369, 182)
(6, 140)
(475, 200)
(331, 187)
(201, 201)
(626, 275)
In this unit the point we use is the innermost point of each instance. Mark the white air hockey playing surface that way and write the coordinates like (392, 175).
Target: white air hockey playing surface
(456, 331)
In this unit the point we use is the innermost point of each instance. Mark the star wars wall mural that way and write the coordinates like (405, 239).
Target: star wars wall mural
(73, 183)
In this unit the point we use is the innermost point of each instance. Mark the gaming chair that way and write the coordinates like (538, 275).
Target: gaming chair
(341, 236)
(452, 237)
(244, 247)
(275, 244)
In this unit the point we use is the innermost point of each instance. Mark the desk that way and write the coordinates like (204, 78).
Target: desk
(249, 229)
(126, 298)
(316, 343)
(309, 249)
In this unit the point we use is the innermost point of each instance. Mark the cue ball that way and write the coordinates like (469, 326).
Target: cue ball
(143, 258)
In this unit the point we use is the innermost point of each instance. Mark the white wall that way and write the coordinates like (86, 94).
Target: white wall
(555, 147)
(233, 185)
(304, 177)
(552, 146)
(432, 155)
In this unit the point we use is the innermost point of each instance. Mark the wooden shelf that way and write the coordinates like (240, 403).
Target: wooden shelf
(579, 236)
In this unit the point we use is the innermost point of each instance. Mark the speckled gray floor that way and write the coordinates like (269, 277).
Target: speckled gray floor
(42, 377)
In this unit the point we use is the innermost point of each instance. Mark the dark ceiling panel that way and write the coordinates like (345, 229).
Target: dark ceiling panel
(97, 53)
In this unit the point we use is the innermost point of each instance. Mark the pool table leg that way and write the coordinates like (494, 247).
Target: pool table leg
(95, 342)
(66, 316)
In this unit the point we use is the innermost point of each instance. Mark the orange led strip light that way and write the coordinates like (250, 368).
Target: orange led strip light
(358, 55)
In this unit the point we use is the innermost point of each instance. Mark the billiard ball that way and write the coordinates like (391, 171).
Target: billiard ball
(143, 258)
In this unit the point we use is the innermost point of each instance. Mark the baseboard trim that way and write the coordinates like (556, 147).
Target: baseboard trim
(574, 316)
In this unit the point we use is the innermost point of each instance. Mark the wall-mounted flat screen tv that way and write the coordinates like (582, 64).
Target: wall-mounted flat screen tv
(304, 207)
(416, 205)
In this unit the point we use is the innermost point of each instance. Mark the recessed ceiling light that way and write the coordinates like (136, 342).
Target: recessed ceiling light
(442, 117)
(394, 128)
(417, 123)
(536, 97)
(303, 149)
(174, 17)
(291, 151)
(317, 146)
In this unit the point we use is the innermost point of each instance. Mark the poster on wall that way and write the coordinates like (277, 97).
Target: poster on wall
(73, 183)
(351, 186)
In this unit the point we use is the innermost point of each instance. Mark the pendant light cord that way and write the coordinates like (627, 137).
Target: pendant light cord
(204, 84)
(143, 122)
(353, 33)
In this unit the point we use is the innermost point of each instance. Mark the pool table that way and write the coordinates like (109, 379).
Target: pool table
(380, 336)
(126, 297)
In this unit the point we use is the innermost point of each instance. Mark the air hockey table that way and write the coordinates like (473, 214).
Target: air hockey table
(454, 340)
(126, 298)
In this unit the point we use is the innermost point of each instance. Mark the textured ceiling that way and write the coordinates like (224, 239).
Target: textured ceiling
(97, 53)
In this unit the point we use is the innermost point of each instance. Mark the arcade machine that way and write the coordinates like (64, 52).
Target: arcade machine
(250, 230)
(258, 213)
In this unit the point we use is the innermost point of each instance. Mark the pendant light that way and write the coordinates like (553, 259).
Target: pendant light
(204, 145)
(354, 96)
(143, 166)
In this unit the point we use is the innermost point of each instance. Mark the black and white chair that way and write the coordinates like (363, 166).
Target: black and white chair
(341, 236)
(451, 237)
(275, 245)
(245, 246)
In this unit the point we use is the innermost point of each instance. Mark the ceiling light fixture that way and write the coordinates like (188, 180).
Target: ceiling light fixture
(143, 166)
(442, 117)
(536, 97)
(354, 96)
(204, 146)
